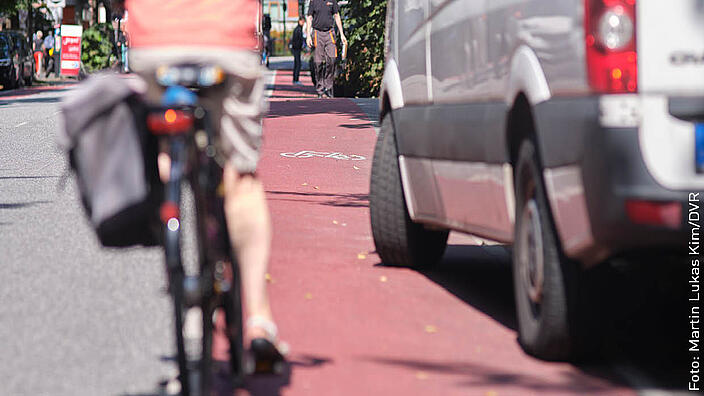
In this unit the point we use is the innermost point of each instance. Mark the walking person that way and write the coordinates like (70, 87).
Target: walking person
(296, 46)
(38, 48)
(49, 52)
(321, 14)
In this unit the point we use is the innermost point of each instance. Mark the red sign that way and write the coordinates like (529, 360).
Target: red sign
(71, 49)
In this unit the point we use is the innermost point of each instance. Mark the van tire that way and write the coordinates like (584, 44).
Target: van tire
(399, 241)
(545, 310)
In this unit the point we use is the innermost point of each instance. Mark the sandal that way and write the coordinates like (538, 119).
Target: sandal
(267, 355)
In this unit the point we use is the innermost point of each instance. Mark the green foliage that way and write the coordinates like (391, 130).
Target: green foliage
(363, 21)
(97, 47)
(11, 6)
(39, 21)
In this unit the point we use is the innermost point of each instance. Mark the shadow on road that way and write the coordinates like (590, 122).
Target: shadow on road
(254, 385)
(358, 126)
(18, 96)
(481, 277)
(4, 102)
(640, 308)
(328, 199)
(291, 91)
(272, 385)
(473, 375)
(27, 177)
(337, 106)
(21, 205)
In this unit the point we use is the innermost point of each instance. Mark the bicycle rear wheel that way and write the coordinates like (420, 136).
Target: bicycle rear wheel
(219, 265)
(174, 265)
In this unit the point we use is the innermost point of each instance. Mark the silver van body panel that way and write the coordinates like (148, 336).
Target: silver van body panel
(470, 57)
(412, 48)
(565, 190)
(428, 200)
(457, 66)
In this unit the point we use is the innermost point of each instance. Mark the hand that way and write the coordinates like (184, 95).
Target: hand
(309, 42)
(344, 39)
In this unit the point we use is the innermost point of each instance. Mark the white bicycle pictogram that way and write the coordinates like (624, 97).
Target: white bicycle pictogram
(322, 154)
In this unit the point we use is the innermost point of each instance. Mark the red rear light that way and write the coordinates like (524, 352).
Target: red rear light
(610, 38)
(667, 214)
(168, 211)
(169, 122)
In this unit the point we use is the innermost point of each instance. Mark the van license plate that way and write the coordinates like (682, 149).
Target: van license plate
(699, 146)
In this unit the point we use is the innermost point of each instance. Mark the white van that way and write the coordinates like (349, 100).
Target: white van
(572, 129)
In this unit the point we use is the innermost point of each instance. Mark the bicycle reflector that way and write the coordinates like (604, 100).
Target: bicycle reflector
(169, 122)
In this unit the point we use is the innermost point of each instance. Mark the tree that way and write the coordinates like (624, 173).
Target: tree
(36, 20)
(364, 22)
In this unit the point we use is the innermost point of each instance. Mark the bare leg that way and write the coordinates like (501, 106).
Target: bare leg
(249, 226)
(250, 230)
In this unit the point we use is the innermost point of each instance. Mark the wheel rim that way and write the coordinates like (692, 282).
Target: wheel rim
(531, 258)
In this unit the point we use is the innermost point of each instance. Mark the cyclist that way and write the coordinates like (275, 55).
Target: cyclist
(220, 32)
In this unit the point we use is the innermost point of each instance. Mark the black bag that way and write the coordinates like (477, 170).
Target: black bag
(114, 160)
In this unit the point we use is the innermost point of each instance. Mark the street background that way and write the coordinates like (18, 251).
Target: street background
(77, 319)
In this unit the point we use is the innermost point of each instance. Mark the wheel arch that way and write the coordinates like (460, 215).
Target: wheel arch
(391, 93)
(520, 125)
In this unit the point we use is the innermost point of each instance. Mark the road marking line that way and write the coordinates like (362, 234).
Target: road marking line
(271, 82)
(20, 124)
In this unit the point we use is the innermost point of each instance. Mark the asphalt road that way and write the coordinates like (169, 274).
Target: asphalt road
(76, 319)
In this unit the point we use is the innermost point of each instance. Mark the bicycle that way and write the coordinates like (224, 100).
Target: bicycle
(185, 128)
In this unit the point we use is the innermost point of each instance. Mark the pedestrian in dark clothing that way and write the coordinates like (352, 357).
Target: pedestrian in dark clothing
(321, 14)
(268, 42)
(296, 46)
(49, 52)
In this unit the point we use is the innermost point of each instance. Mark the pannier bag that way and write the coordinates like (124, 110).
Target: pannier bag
(114, 159)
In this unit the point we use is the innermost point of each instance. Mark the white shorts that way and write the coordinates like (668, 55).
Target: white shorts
(239, 104)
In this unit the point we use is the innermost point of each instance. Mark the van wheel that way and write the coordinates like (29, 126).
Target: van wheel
(544, 280)
(399, 241)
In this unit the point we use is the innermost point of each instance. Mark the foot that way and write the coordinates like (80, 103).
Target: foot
(328, 93)
(266, 351)
(320, 96)
(266, 357)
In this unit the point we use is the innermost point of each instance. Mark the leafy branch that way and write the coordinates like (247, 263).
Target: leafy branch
(364, 24)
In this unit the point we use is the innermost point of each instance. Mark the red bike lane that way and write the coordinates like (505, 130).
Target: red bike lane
(356, 327)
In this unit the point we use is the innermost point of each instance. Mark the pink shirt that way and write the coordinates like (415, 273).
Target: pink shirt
(213, 23)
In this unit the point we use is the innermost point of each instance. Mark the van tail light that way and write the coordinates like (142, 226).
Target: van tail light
(170, 122)
(664, 214)
(610, 35)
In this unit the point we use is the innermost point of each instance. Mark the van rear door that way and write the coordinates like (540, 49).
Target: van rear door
(670, 41)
